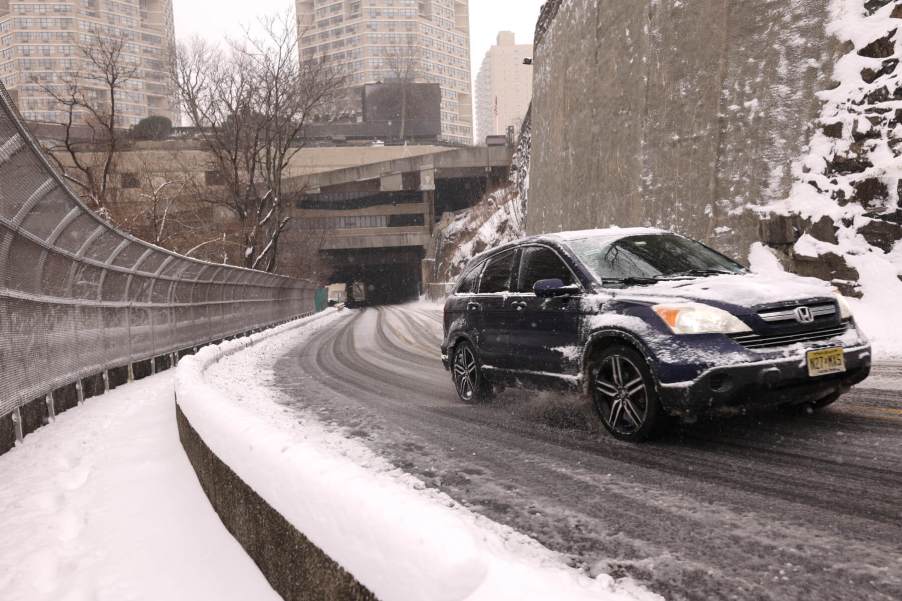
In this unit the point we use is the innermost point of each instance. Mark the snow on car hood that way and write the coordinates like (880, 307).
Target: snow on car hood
(746, 290)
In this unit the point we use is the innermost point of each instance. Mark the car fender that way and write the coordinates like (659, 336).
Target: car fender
(616, 334)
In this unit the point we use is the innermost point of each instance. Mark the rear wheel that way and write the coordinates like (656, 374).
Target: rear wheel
(624, 394)
(467, 374)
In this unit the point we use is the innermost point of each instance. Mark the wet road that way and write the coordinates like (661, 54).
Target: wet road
(765, 507)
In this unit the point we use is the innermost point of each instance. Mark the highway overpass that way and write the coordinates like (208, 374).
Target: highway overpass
(374, 222)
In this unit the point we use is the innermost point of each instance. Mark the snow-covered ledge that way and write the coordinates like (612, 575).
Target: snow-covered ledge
(329, 521)
(293, 565)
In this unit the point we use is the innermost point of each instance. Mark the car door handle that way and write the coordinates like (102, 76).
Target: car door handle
(519, 305)
(474, 306)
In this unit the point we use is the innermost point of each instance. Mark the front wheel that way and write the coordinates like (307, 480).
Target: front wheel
(468, 379)
(624, 395)
(827, 400)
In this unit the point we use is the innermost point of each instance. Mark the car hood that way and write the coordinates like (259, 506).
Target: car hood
(742, 290)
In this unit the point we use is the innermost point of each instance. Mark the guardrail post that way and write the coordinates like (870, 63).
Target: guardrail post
(153, 366)
(106, 381)
(131, 373)
(80, 392)
(51, 410)
(17, 424)
(175, 359)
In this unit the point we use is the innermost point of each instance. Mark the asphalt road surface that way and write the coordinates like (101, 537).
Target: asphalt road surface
(770, 506)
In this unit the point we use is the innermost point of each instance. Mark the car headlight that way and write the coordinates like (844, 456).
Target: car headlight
(696, 318)
(845, 311)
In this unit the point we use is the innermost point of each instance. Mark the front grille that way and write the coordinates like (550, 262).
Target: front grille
(820, 311)
(758, 341)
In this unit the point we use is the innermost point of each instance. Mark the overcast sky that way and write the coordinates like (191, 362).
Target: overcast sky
(214, 19)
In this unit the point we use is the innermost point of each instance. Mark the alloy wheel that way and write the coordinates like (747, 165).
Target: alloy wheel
(466, 373)
(621, 395)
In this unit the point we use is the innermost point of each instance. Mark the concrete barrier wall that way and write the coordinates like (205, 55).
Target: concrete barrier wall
(673, 113)
(295, 567)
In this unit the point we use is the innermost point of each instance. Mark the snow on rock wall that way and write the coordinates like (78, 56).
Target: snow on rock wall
(498, 219)
(732, 121)
(842, 219)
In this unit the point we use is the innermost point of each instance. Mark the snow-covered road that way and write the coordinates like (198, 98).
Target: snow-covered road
(103, 506)
(772, 507)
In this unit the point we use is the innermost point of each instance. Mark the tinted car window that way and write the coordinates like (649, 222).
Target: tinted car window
(541, 263)
(651, 256)
(470, 280)
(497, 275)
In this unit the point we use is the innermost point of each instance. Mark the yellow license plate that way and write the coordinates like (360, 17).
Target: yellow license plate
(826, 361)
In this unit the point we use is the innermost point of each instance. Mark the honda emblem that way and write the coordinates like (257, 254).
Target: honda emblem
(803, 315)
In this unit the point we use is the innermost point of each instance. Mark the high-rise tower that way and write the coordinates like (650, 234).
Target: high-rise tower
(384, 40)
(39, 48)
(503, 87)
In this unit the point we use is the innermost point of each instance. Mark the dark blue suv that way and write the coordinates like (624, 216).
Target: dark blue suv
(651, 325)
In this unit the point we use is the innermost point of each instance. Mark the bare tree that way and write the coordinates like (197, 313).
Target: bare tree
(406, 65)
(158, 212)
(93, 133)
(250, 103)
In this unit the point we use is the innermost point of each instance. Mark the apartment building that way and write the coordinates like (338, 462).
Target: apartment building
(425, 41)
(503, 87)
(40, 47)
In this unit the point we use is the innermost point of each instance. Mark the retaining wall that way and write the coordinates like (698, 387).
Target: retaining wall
(673, 114)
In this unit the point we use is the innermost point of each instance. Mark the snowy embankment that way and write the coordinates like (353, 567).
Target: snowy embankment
(104, 505)
(397, 538)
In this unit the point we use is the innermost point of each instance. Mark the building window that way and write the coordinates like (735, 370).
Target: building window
(130, 181)
(214, 178)
(411, 220)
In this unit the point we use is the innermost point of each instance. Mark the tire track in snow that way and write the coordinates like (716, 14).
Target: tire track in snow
(770, 507)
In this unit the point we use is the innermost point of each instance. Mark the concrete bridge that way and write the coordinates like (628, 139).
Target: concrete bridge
(375, 221)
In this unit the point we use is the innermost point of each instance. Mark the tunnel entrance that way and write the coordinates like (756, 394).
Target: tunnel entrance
(388, 275)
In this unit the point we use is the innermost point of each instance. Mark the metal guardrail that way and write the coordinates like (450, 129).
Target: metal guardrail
(78, 297)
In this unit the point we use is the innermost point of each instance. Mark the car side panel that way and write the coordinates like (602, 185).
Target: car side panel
(545, 333)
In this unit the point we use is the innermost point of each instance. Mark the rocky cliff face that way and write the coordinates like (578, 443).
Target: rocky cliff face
(844, 206)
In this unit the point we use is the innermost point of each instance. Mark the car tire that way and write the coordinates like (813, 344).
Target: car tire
(827, 400)
(466, 372)
(807, 407)
(624, 394)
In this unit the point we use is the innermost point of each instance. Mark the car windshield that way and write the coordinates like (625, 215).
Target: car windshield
(650, 258)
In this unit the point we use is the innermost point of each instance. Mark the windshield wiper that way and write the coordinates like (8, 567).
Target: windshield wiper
(632, 281)
(701, 272)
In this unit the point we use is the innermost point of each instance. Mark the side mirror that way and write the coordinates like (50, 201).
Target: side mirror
(553, 288)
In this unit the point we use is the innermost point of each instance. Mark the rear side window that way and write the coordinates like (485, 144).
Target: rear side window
(541, 263)
(470, 280)
(497, 275)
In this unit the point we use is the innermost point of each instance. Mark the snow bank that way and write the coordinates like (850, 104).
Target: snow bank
(870, 313)
(105, 506)
(400, 540)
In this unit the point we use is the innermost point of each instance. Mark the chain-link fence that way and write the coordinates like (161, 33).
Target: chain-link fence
(78, 297)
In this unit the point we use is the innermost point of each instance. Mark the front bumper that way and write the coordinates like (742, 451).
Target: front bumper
(733, 388)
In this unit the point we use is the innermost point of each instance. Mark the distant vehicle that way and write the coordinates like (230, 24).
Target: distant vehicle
(357, 295)
(338, 294)
(651, 325)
